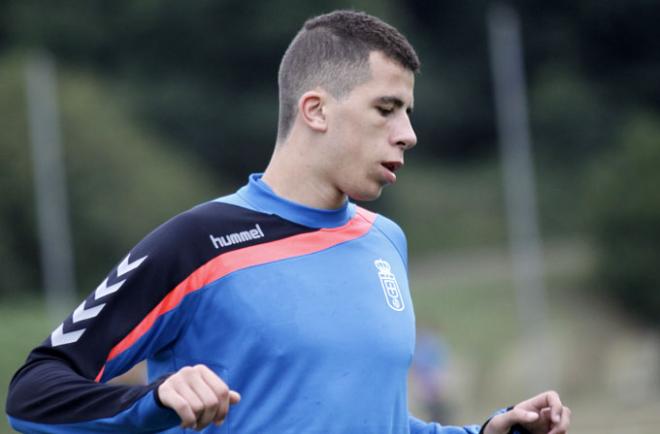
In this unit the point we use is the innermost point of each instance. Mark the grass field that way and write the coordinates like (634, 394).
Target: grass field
(25, 323)
(605, 367)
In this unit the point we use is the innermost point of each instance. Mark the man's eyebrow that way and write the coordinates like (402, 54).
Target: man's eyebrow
(396, 101)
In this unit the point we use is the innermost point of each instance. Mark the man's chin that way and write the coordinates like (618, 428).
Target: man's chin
(366, 196)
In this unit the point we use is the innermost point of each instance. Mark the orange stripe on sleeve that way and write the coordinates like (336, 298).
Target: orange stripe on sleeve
(224, 264)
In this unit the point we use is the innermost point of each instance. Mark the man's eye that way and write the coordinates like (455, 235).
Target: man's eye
(385, 110)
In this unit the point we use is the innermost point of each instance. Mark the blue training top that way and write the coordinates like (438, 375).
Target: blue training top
(305, 312)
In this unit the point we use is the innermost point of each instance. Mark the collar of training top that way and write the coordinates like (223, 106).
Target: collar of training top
(262, 197)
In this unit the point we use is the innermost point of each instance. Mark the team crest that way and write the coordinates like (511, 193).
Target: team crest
(389, 284)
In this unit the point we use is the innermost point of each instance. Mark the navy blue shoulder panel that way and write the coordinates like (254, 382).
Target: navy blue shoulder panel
(56, 384)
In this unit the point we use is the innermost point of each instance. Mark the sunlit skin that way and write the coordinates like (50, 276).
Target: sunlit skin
(347, 147)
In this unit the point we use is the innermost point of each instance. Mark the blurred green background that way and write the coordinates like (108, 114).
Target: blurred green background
(166, 104)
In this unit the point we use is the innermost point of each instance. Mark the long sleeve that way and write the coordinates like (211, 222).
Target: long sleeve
(132, 315)
(418, 426)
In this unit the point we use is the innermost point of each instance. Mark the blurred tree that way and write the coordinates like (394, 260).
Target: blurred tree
(626, 207)
(204, 72)
(619, 44)
(454, 105)
(122, 181)
(18, 256)
(572, 122)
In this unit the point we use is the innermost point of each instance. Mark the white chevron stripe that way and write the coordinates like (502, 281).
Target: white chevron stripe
(103, 289)
(81, 313)
(127, 266)
(58, 337)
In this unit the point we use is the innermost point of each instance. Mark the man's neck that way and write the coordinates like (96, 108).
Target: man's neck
(293, 175)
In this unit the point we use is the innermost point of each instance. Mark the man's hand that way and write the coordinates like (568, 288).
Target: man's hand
(198, 396)
(543, 414)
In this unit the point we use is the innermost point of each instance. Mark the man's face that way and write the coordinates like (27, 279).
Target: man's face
(369, 130)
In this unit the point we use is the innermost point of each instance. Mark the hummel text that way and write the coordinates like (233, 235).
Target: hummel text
(237, 237)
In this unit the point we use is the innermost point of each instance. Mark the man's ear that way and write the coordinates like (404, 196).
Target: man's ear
(311, 107)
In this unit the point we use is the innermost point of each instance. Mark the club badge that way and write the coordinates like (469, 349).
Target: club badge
(389, 285)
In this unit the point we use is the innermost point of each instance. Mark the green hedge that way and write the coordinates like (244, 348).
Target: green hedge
(123, 179)
(626, 218)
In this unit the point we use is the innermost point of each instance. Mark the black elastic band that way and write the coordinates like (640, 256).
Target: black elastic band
(516, 429)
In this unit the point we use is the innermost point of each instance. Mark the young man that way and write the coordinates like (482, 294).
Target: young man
(284, 291)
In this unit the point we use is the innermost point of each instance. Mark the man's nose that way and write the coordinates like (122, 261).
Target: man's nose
(404, 134)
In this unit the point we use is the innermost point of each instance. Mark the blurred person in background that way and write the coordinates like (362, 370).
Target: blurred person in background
(282, 308)
(429, 369)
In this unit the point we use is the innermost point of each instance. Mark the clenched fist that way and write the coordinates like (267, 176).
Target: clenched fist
(198, 396)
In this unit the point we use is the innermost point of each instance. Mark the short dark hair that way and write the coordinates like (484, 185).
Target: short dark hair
(332, 51)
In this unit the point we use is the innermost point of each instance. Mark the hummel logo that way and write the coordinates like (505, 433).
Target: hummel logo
(237, 237)
(58, 337)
